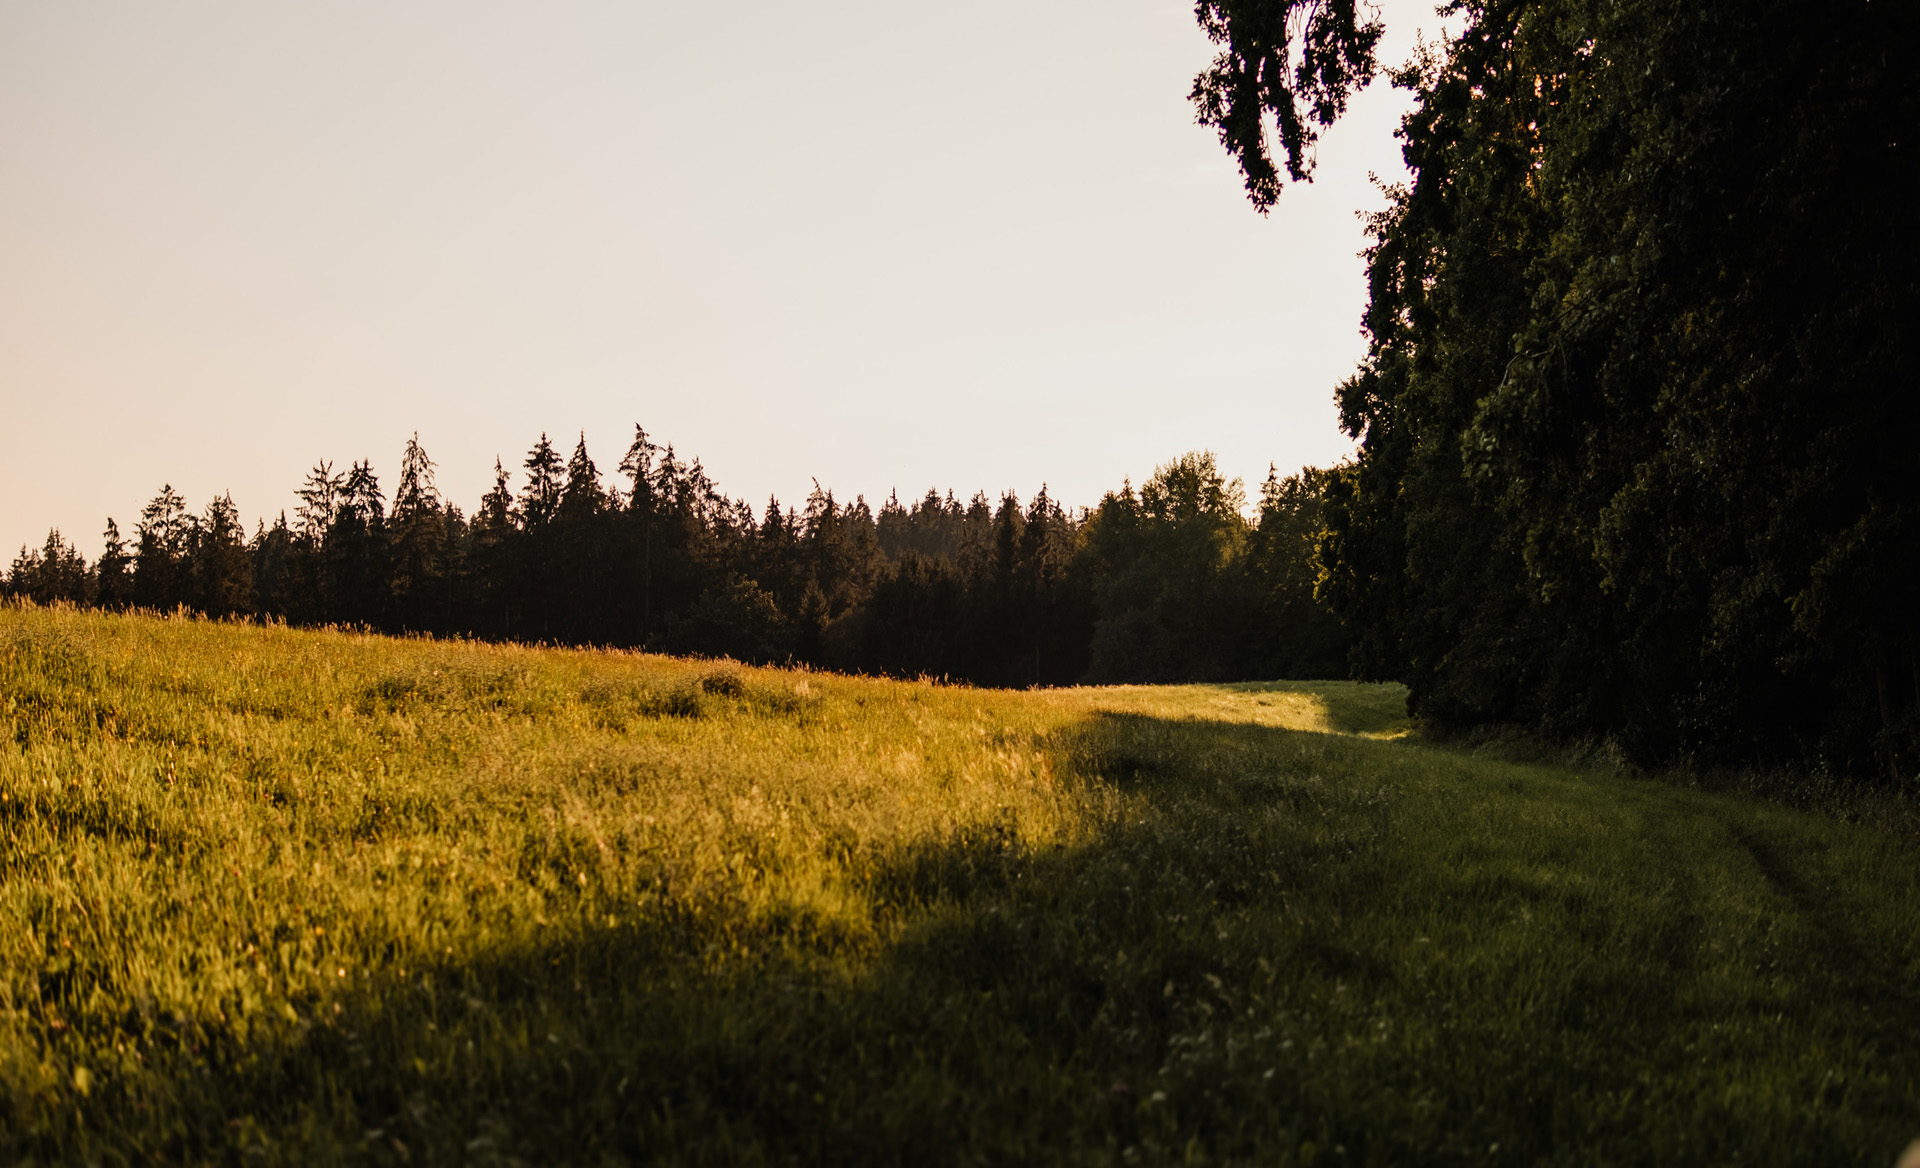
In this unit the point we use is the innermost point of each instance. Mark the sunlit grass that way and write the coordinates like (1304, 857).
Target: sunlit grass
(1321, 707)
(291, 897)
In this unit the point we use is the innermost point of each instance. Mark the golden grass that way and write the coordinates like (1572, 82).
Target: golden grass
(1318, 707)
(271, 895)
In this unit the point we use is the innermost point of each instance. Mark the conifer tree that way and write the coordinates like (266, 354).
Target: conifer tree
(56, 573)
(23, 570)
(495, 594)
(415, 495)
(113, 577)
(637, 465)
(893, 527)
(496, 506)
(1000, 633)
(772, 556)
(917, 620)
(973, 542)
(305, 580)
(160, 570)
(222, 569)
(1002, 594)
(1009, 528)
(419, 543)
(934, 527)
(283, 574)
(864, 558)
(582, 567)
(582, 497)
(319, 500)
(360, 495)
(640, 516)
(538, 574)
(1058, 623)
(540, 498)
(356, 550)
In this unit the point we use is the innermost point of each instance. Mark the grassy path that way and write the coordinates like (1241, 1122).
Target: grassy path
(270, 896)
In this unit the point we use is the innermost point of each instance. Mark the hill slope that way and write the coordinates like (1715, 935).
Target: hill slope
(282, 896)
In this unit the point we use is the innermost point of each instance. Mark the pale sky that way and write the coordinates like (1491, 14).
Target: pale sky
(884, 245)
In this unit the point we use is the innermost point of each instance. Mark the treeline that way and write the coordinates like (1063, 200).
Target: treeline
(1640, 441)
(1167, 583)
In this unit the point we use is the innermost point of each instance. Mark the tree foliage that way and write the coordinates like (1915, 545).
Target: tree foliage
(1154, 587)
(1294, 61)
(1636, 421)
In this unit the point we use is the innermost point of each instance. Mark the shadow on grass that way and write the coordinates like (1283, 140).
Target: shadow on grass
(1269, 954)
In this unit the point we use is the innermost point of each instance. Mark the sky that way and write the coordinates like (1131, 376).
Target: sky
(884, 246)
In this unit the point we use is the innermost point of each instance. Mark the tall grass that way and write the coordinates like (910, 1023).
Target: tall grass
(275, 896)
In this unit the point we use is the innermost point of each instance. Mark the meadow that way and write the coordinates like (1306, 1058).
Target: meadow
(277, 896)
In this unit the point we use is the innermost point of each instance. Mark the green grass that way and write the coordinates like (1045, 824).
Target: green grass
(271, 896)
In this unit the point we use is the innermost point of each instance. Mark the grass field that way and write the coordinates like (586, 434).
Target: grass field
(272, 896)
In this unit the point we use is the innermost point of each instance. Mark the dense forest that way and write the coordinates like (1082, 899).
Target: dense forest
(1638, 444)
(1167, 583)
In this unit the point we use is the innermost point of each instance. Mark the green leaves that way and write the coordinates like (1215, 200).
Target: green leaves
(1296, 61)
(1633, 444)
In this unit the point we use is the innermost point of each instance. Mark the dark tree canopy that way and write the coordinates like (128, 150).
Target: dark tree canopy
(1006, 593)
(1293, 63)
(1637, 422)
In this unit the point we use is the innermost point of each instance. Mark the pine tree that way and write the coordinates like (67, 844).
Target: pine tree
(538, 575)
(113, 579)
(581, 571)
(973, 542)
(864, 559)
(637, 464)
(55, 574)
(582, 497)
(360, 495)
(540, 499)
(496, 506)
(823, 541)
(283, 580)
(893, 526)
(495, 560)
(357, 551)
(222, 569)
(319, 501)
(22, 573)
(160, 570)
(640, 516)
(772, 557)
(1009, 527)
(415, 496)
(419, 543)
(1058, 622)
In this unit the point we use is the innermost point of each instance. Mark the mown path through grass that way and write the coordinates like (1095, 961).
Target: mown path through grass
(272, 896)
